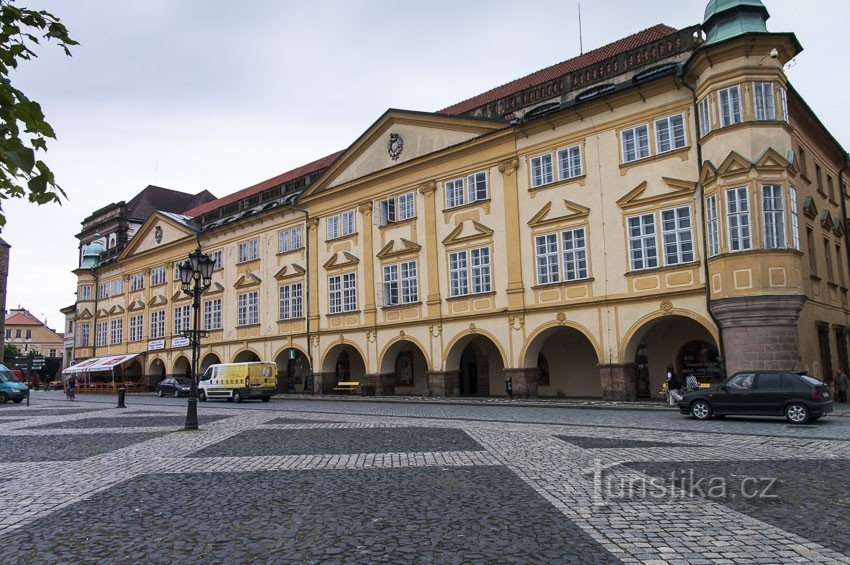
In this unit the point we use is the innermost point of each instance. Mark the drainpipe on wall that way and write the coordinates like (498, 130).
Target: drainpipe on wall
(704, 237)
(307, 289)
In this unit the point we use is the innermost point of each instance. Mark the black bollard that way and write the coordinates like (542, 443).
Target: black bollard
(121, 397)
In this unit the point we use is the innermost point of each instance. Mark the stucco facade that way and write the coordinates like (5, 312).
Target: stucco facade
(655, 206)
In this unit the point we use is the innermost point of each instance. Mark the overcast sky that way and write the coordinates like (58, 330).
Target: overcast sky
(219, 95)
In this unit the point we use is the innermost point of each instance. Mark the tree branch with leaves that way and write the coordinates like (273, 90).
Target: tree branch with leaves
(23, 128)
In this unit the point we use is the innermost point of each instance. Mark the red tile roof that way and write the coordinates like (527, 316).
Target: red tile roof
(550, 73)
(22, 319)
(266, 184)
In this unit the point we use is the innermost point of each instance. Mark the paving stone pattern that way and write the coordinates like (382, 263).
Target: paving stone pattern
(321, 441)
(415, 483)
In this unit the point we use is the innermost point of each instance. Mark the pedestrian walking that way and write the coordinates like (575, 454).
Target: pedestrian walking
(71, 387)
(841, 386)
(672, 386)
(509, 388)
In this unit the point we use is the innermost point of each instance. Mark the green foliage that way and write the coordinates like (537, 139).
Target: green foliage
(10, 350)
(23, 128)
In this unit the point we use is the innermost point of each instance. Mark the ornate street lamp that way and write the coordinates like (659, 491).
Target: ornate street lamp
(195, 278)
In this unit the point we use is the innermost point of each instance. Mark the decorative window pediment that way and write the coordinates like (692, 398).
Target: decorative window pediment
(401, 247)
(734, 163)
(136, 305)
(569, 211)
(635, 197)
(179, 296)
(215, 288)
(468, 230)
(770, 159)
(708, 173)
(809, 208)
(340, 260)
(826, 220)
(157, 300)
(247, 281)
(838, 227)
(84, 315)
(101, 313)
(290, 272)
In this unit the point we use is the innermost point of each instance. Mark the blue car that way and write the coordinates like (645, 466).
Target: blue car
(10, 387)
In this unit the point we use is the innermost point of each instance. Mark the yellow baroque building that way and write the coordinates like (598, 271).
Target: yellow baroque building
(668, 198)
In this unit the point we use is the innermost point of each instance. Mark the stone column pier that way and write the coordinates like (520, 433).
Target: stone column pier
(619, 381)
(524, 381)
(443, 383)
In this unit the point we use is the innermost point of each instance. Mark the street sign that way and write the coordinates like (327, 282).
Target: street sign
(292, 354)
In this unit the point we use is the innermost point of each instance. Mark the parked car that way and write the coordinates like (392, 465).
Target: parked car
(799, 398)
(11, 388)
(175, 386)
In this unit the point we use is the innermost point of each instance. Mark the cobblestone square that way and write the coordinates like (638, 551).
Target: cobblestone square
(310, 481)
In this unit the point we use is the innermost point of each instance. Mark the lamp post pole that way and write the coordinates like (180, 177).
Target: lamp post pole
(195, 275)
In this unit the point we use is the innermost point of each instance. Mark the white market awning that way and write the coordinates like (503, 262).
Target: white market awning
(96, 364)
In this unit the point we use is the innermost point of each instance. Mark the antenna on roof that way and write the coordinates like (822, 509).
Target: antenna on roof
(580, 42)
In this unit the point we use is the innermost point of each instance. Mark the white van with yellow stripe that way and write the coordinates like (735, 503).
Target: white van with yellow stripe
(238, 381)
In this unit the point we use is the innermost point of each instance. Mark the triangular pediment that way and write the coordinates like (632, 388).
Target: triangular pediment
(809, 208)
(136, 305)
(468, 230)
(179, 296)
(398, 247)
(708, 173)
(215, 288)
(558, 211)
(770, 159)
(247, 281)
(341, 259)
(160, 229)
(826, 220)
(291, 271)
(733, 163)
(84, 315)
(101, 313)
(157, 300)
(838, 227)
(116, 309)
(638, 195)
(397, 137)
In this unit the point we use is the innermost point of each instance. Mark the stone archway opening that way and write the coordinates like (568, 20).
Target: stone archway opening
(156, 372)
(561, 362)
(209, 359)
(404, 369)
(679, 340)
(343, 363)
(182, 367)
(293, 371)
(474, 367)
(246, 356)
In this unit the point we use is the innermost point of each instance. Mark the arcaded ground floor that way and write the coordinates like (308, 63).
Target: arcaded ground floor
(364, 482)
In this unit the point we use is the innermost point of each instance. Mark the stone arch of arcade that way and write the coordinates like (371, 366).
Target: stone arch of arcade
(207, 360)
(293, 370)
(182, 367)
(343, 362)
(404, 368)
(474, 366)
(246, 356)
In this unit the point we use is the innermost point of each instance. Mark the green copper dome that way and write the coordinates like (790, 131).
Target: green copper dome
(725, 19)
(91, 254)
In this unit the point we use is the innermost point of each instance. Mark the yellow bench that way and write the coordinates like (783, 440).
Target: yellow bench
(350, 387)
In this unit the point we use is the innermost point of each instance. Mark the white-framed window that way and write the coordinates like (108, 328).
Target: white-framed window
(102, 290)
(342, 293)
(157, 276)
(216, 257)
(85, 332)
(763, 101)
(670, 133)
(340, 225)
(348, 225)
(635, 143)
(116, 331)
(116, 286)
(333, 226)
(467, 190)
(469, 272)
(783, 99)
(396, 208)
(177, 270)
(181, 319)
(730, 105)
(642, 242)
(289, 239)
(101, 330)
(738, 218)
(546, 250)
(401, 284)
(136, 327)
(291, 305)
(85, 292)
(541, 170)
(249, 250)
(569, 162)
(212, 314)
(773, 209)
(157, 324)
(712, 229)
(248, 308)
(137, 281)
(458, 275)
(795, 221)
(479, 262)
(704, 116)
(677, 235)
(574, 245)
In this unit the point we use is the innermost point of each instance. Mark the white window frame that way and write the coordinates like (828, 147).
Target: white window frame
(157, 324)
(289, 239)
(333, 225)
(101, 333)
(216, 257)
(137, 324)
(455, 193)
(677, 235)
(458, 273)
(637, 151)
(397, 208)
(738, 226)
(642, 240)
(574, 254)
(116, 331)
(705, 116)
(180, 320)
(116, 286)
(249, 250)
(783, 100)
(137, 282)
(290, 301)
(475, 187)
(349, 225)
(570, 164)
(157, 276)
(729, 103)
(85, 292)
(673, 127)
(342, 293)
(85, 334)
(102, 291)
(712, 226)
(401, 284)
(795, 220)
(212, 314)
(764, 103)
(542, 170)
(248, 308)
(547, 258)
(773, 216)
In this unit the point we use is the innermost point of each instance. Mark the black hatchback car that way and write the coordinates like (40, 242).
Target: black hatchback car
(176, 386)
(799, 398)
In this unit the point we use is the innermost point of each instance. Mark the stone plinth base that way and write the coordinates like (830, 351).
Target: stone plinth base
(619, 381)
(443, 383)
(323, 383)
(524, 381)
